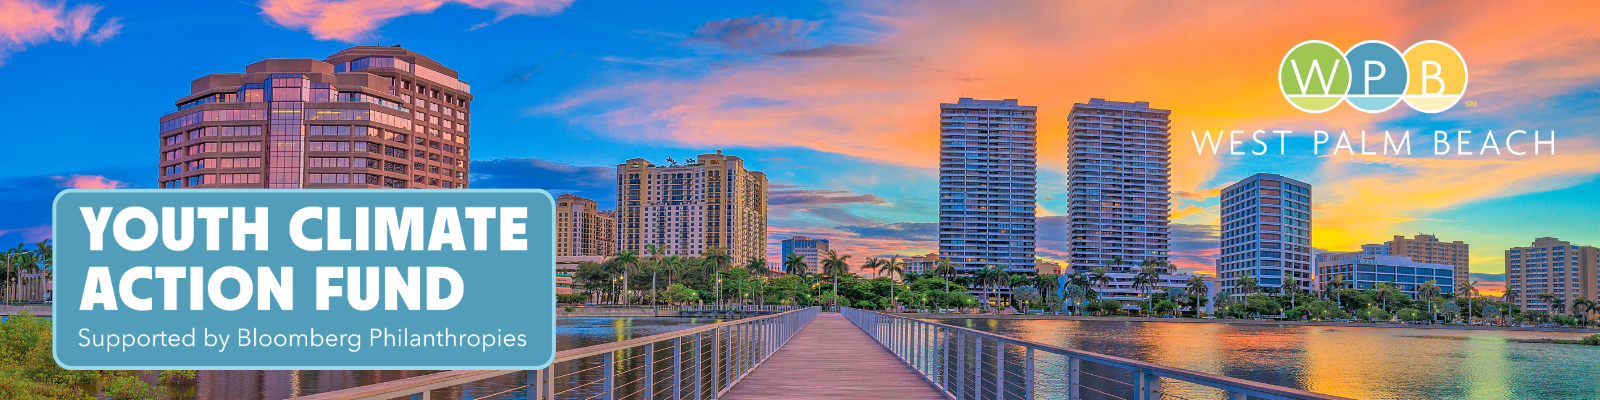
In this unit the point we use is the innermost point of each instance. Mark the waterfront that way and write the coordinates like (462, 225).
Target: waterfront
(1356, 362)
(570, 333)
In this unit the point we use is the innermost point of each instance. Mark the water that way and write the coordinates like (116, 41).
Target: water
(1356, 362)
(570, 333)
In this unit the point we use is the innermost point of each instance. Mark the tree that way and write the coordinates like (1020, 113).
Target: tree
(1335, 286)
(1078, 289)
(834, 266)
(628, 260)
(1428, 292)
(1248, 285)
(1198, 289)
(1146, 280)
(1384, 291)
(942, 268)
(1099, 277)
(1469, 289)
(1045, 284)
(1290, 287)
(1581, 308)
(718, 259)
(891, 267)
(794, 264)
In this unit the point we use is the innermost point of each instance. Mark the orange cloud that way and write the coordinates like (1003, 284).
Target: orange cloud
(1362, 198)
(28, 22)
(355, 20)
(88, 182)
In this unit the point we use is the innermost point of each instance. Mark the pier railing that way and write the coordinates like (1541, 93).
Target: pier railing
(972, 364)
(696, 363)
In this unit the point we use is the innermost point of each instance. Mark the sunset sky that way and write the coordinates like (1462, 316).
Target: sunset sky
(838, 102)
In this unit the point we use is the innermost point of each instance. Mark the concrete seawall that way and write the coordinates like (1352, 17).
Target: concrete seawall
(1237, 322)
(612, 312)
(41, 311)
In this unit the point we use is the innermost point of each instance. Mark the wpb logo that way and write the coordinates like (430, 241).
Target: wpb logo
(1373, 76)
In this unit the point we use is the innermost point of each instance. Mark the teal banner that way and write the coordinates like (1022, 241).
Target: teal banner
(304, 279)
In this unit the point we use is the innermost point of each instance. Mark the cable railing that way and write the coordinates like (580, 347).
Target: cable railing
(696, 363)
(971, 364)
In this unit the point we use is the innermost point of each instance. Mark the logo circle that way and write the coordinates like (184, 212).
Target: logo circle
(1314, 76)
(1379, 76)
(1438, 76)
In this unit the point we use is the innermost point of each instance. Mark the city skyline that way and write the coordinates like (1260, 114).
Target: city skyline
(834, 102)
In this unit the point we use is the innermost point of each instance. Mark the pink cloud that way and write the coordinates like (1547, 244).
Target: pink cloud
(28, 22)
(29, 235)
(88, 182)
(355, 20)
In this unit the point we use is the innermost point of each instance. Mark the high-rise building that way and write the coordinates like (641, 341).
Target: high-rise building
(365, 117)
(1266, 233)
(813, 249)
(709, 202)
(987, 169)
(1364, 271)
(582, 229)
(1119, 191)
(1554, 266)
(1428, 249)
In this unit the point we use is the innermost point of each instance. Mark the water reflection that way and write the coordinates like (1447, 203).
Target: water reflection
(1357, 362)
(272, 385)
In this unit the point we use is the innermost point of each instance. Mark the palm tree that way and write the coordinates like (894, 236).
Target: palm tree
(1046, 283)
(1469, 289)
(1581, 308)
(1248, 285)
(892, 268)
(1015, 282)
(834, 266)
(1290, 287)
(1336, 287)
(628, 260)
(717, 258)
(942, 268)
(1099, 277)
(1427, 292)
(1197, 288)
(1383, 291)
(795, 264)
(757, 266)
(1081, 281)
(1145, 280)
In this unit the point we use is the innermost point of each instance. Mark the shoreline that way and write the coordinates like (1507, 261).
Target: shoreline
(1242, 322)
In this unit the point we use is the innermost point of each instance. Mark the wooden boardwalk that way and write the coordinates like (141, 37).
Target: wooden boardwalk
(833, 359)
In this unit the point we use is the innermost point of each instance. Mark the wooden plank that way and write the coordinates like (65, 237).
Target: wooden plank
(833, 359)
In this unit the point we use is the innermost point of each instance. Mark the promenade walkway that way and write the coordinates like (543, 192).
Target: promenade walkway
(833, 359)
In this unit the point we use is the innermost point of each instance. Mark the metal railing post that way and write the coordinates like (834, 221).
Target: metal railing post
(608, 388)
(698, 375)
(649, 368)
(1074, 380)
(961, 365)
(716, 361)
(1027, 389)
(999, 370)
(977, 367)
(677, 368)
(1149, 386)
(944, 359)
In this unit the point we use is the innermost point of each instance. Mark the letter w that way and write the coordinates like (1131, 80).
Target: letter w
(1325, 77)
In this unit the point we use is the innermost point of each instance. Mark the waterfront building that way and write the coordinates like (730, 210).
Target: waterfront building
(987, 169)
(923, 264)
(582, 229)
(1552, 265)
(1266, 234)
(1363, 271)
(1119, 192)
(365, 117)
(1429, 249)
(813, 249)
(567, 266)
(1047, 267)
(709, 202)
(1376, 249)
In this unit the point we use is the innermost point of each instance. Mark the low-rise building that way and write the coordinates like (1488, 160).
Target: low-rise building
(813, 249)
(1365, 271)
(923, 264)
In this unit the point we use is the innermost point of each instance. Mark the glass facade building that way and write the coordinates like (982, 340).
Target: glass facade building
(813, 249)
(987, 169)
(1363, 271)
(365, 117)
(1266, 233)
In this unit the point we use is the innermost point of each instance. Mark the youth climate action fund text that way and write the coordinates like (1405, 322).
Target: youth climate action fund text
(304, 279)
